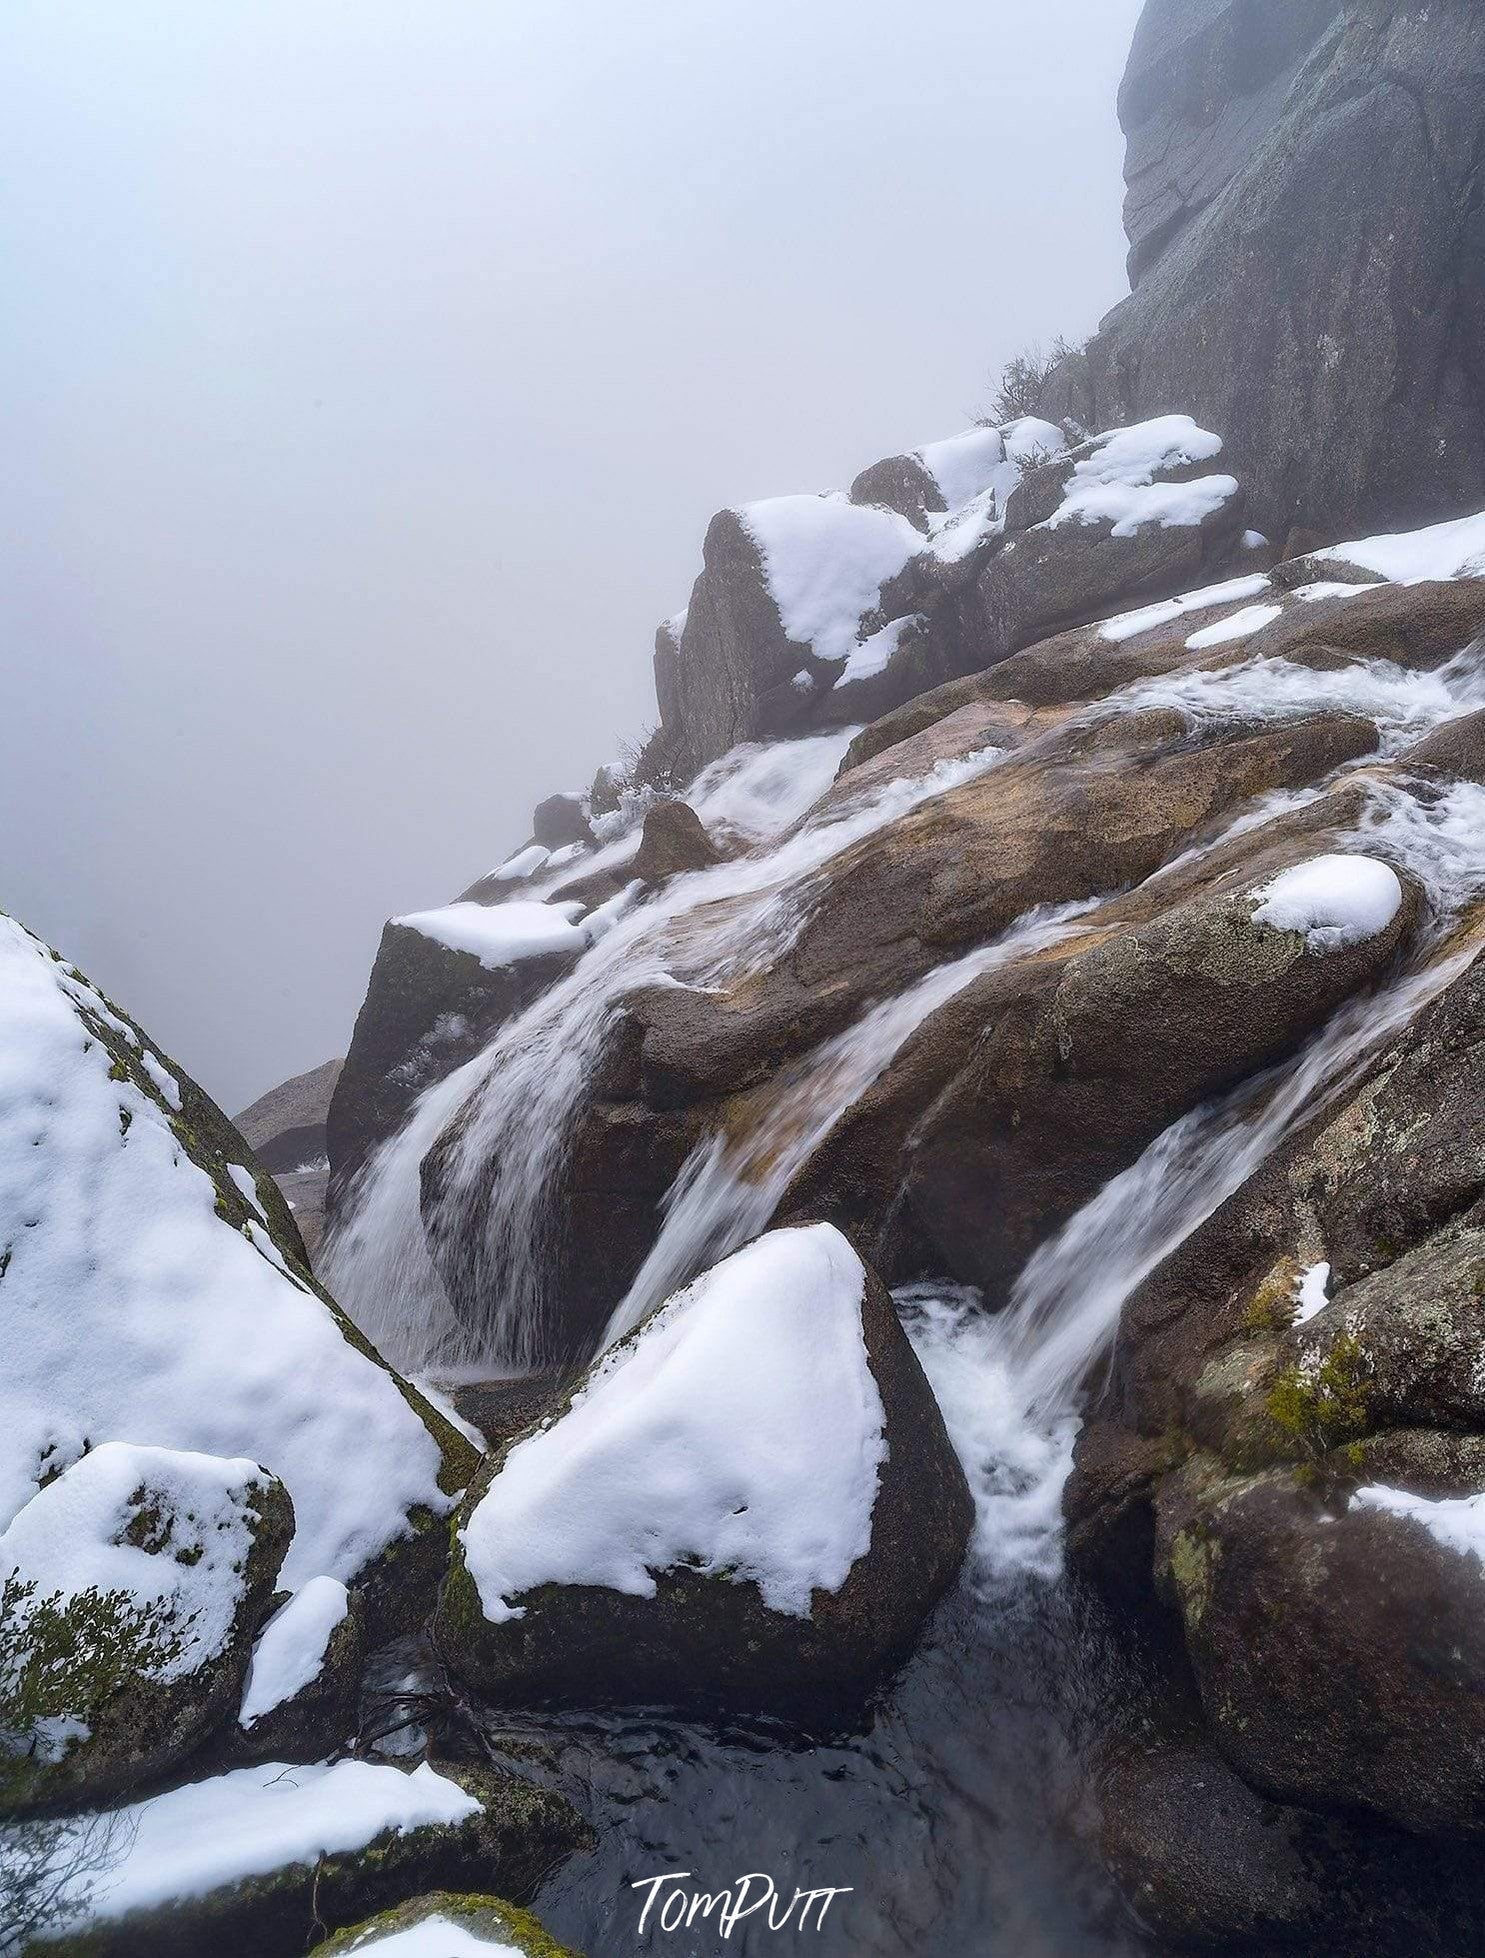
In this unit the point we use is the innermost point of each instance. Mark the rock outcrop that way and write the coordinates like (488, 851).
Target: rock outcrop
(130, 1589)
(157, 1291)
(1327, 158)
(751, 1502)
(477, 1921)
(827, 610)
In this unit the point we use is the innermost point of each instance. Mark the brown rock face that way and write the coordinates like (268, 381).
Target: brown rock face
(674, 841)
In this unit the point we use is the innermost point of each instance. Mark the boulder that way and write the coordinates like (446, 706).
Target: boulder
(1326, 158)
(750, 1501)
(130, 1588)
(673, 842)
(1339, 1646)
(1457, 749)
(560, 822)
(301, 1696)
(1070, 1083)
(157, 1290)
(443, 983)
(260, 1861)
(285, 1128)
(476, 1921)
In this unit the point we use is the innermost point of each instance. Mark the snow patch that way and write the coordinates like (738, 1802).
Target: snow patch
(525, 863)
(71, 1537)
(738, 1429)
(438, 1937)
(1335, 901)
(1241, 625)
(876, 653)
(256, 1820)
(1116, 484)
(1412, 557)
(1311, 1293)
(1128, 625)
(503, 934)
(1457, 1522)
(826, 560)
(291, 1647)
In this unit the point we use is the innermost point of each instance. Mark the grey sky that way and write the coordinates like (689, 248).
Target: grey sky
(372, 372)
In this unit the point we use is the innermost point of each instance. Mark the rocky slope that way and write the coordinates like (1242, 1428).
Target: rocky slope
(984, 1109)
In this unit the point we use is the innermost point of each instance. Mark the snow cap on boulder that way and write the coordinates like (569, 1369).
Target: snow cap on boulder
(751, 1498)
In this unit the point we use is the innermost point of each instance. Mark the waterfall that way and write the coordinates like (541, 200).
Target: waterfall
(515, 1101)
(512, 1106)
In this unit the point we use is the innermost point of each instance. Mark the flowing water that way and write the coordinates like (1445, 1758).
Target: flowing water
(959, 1816)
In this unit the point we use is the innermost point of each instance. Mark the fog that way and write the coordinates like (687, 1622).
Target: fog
(372, 371)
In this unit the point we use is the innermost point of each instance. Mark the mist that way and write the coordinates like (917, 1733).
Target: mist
(373, 371)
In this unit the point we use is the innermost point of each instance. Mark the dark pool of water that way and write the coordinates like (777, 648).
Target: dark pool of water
(960, 1817)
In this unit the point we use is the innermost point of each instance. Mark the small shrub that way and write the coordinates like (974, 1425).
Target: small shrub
(1021, 382)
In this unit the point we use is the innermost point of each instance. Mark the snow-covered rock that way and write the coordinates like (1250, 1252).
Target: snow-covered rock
(446, 1925)
(442, 982)
(301, 1693)
(130, 1587)
(154, 1290)
(242, 1862)
(751, 1499)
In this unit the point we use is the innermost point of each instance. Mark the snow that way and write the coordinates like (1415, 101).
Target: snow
(1241, 625)
(1128, 625)
(1326, 588)
(967, 525)
(70, 1538)
(875, 653)
(740, 1428)
(964, 465)
(1445, 550)
(291, 1647)
(1334, 901)
(1116, 483)
(1254, 540)
(826, 560)
(525, 863)
(163, 1079)
(1457, 1522)
(133, 1312)
(1311, 1293)
(437, 1937)
(246, 1185)
(255, 1820)
(503, 934)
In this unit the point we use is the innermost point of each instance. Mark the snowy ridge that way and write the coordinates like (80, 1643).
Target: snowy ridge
(178, 1330)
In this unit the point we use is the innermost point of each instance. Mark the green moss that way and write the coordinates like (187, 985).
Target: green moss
(1192, 1557)
(1326, 1406)
(1271, 1308)
(481, 1915)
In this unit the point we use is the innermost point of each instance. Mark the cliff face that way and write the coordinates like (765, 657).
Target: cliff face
(1306, 214)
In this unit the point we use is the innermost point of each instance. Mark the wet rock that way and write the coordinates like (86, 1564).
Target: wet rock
(1418, 626)
(712, 1597)
(1457, 749)
(674, 841)
(1340, 1652)
(286, 1127)
(428, 1009)
(1068, 1085)
(133, 1585)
